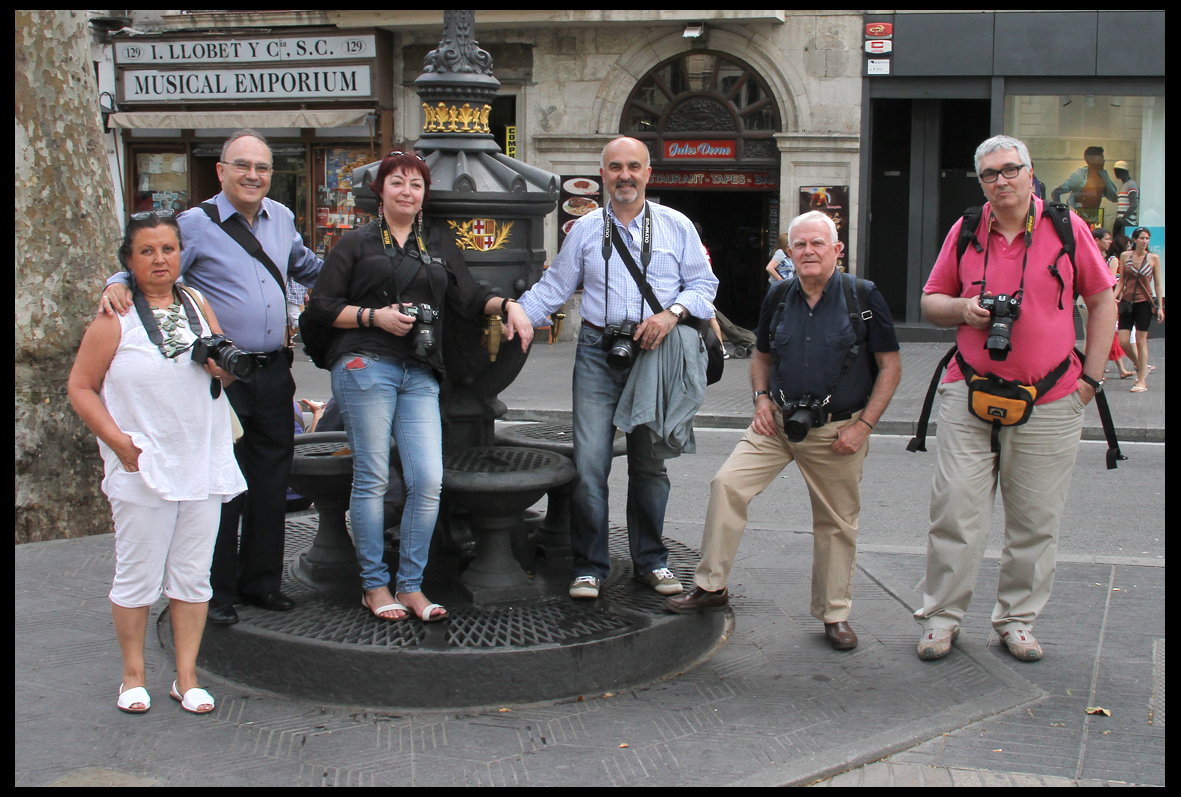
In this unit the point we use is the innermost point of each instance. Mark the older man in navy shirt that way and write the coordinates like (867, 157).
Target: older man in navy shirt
(251, 307)
(801, 352)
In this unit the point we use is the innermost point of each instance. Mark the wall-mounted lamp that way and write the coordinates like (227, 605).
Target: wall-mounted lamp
(106, 107)
(694, 30)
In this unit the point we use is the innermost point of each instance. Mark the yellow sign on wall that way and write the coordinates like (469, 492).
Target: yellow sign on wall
(510, 141)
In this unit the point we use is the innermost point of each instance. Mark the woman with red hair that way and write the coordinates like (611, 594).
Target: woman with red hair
(379, 284)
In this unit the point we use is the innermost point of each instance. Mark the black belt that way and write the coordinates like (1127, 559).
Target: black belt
(595, 327)
(264, 358)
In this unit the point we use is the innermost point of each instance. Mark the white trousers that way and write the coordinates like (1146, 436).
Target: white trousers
(1033, 471)
(161, 547)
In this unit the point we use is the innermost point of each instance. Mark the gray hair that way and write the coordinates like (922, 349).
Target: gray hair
(245, 132)
(998, 143)
(812, 215)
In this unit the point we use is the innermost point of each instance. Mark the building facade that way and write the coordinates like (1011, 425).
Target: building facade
(750, 116)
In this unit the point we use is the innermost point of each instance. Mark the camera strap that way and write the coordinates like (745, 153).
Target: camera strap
(1029, 219)
(148, 318)
(245, 239)
(404, 272)
(611, 235)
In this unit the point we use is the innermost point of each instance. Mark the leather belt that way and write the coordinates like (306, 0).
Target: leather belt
(836, 416)
(595, 327)
(264, 358)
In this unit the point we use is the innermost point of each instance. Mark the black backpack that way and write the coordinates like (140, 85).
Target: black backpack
(1059, 215)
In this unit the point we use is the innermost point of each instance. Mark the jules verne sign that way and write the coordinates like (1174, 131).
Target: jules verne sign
(249, 69)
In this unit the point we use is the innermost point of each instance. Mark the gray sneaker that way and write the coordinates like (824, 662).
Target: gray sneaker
(585, 587)
(662, 580)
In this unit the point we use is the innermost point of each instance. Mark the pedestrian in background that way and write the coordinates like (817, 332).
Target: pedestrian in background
(780, 266)
(830, 453)
(1036, 458)
(168, 461)
(1139, 301)
(1105, 243)
(678, 270)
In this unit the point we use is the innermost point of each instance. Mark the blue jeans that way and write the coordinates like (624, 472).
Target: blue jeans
(597, 387)
(380, 397)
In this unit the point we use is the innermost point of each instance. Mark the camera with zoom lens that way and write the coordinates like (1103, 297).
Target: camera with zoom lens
(228, 357)
(1003, 310)
(618, 343)
(800, 417)
(423, 334)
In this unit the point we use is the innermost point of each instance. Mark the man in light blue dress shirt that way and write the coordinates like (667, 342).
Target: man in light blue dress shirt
(251, 307)
(684, 284)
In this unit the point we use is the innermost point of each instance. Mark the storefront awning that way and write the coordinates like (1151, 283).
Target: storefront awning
(195, 120)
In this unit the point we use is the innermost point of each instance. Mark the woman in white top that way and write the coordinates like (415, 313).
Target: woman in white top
(167, 446)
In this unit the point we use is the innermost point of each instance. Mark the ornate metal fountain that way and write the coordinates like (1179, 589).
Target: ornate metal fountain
(512, 634)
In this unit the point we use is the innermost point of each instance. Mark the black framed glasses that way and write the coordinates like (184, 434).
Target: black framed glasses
(1009, 172)
(147, 214)
(243, 167)
(396, 152)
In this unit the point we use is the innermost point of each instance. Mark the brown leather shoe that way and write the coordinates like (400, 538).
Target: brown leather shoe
(840, 635)
(699, 600)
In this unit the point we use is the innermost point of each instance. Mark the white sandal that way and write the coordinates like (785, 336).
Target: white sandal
(428, 612)
(193, 699)
(136, 694)
(389, 607)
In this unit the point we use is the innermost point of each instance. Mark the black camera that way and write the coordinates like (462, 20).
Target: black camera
(800, 417)
(1003, 310)
(618, 343)
(228, 357)
(423, 333)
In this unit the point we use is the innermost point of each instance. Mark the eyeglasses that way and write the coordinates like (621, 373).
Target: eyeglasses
(243, 167)
(147, 214)
(396, 152)
(1009, 172)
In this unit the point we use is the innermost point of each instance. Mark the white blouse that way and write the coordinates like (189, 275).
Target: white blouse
(165, 405)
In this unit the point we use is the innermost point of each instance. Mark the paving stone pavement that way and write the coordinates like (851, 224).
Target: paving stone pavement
(774, 706)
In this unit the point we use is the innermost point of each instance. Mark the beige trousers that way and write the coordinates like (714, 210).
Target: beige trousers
(1034, 469)
(834, 485)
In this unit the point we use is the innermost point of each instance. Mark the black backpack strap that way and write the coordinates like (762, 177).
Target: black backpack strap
(1113, 452)
(969, 223)
(1059, 216)
(919, 441)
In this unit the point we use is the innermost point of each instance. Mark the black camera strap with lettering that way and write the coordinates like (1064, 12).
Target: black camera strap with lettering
(1019, 294)
(611, 235)
(405, 262)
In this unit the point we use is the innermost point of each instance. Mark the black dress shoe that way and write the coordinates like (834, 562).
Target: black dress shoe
(699, 600)
(222, 615)
(840, 635)
(272, 601)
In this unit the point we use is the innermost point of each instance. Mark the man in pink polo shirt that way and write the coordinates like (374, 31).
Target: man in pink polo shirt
(1035, 458)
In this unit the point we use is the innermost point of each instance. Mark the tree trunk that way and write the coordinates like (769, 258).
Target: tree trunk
(67, 234)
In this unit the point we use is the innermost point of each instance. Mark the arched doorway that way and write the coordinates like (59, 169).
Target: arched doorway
(709, 121)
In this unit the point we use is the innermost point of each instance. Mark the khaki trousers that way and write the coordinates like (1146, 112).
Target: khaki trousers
(834, 486)
(1033, 471)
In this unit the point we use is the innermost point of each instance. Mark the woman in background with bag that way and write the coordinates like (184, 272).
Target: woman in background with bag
(1138, 302)
(168, 461)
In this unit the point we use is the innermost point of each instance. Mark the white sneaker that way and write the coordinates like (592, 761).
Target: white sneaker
(585, 587)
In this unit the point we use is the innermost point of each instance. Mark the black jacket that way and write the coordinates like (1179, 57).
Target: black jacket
(358, 266)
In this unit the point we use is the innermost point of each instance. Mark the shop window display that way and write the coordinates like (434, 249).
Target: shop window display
(1102, 155)
(336, 211)
(160, 181)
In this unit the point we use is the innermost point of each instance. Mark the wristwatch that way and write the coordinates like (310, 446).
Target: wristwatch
(758, 393)
(677, 310)
(1095, 383)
